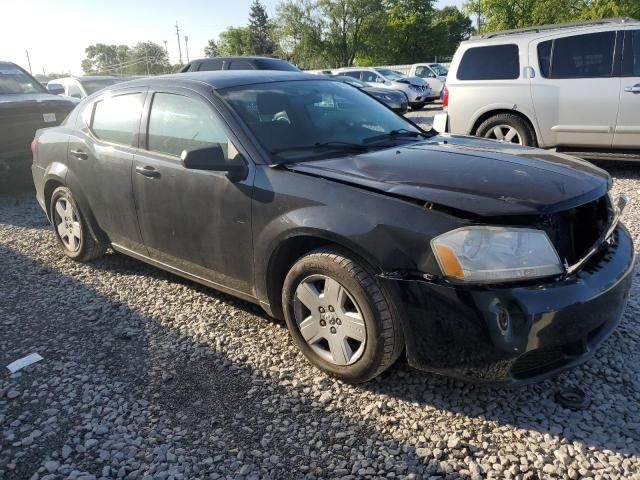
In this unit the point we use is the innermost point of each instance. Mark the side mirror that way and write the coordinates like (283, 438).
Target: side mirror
(380, 80)
(431, 75)
(55, 89)
(212, 158)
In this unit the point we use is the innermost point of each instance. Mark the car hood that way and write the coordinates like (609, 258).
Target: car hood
(481, 177)
(412, 80)
(35, 99)
(383, 91)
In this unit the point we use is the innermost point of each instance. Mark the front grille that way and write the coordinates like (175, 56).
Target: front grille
(573, 232)
(538, 361)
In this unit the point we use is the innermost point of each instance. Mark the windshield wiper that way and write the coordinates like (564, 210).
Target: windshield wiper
(352, 147)
(401, 132)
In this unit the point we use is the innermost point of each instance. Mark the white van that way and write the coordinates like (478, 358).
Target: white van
(574, 87)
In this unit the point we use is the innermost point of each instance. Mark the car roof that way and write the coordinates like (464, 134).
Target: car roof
(223, 78)
(528, 33)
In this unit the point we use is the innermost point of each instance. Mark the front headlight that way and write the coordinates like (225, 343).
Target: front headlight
(495, 254)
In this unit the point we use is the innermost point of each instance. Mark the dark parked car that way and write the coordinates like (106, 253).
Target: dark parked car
(25, 106)
(369, 236)
(239, 63)
(395, 100)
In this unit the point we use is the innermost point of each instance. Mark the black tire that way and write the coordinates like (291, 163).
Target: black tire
(417, 106)
(88, 247)
(384, 337)
(522, 126)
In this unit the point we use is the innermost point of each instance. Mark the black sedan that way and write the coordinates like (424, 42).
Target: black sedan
(367, 235)
(395, 100)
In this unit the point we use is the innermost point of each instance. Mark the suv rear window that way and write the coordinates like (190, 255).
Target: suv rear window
(496, 62)
(578, 56)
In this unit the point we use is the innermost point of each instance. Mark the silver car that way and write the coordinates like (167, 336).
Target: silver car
(573, 87)
(418, 91)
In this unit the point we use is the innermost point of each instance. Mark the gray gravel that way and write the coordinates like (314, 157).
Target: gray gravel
(149, 376)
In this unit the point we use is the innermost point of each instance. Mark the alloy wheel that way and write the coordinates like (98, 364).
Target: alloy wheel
(67, 224)
(330, 320)
(504, 133)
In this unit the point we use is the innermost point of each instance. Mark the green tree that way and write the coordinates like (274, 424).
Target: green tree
(235, 41)
(299, 31)
(211, 50)
(148, 58)
(105, 58)
(260, 31)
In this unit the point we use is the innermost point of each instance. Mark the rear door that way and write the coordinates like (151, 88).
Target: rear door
(195, 220)
(100, 159)
(574, 89)
(627, 133)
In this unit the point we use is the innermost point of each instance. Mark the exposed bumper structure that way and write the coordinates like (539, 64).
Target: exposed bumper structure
(519, 334)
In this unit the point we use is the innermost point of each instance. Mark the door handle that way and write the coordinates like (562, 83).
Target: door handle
(79, 154)
(148, 172)
(634, 89)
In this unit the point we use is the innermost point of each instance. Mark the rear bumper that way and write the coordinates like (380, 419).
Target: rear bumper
(551, 327)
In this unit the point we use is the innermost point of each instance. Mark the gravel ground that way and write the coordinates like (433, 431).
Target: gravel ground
(148, 376)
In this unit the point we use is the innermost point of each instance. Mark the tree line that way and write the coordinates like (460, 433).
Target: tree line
(503, 15)
(335, 33)
(316, 34)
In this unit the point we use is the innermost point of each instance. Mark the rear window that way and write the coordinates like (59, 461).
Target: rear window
(578, 56)
(213, 64)
(497, 62)
(116, 119)
(276, 64)
(14, 81)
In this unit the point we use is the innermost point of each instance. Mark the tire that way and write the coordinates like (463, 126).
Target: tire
(508, 123)
(71, 229)
(364, 307)
(417, 106)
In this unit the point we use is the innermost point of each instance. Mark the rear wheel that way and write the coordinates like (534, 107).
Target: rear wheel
(70, 227)
(508, 128)
(340, 317)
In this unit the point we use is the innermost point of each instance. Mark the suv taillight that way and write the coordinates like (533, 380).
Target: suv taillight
(445, 97)
(34, 147)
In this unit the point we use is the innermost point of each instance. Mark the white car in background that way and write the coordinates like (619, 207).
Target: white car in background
(572, 87)
(434, 74)
(81, 87)
(418, 91)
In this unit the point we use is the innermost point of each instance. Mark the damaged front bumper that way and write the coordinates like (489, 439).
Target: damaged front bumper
(518, 334)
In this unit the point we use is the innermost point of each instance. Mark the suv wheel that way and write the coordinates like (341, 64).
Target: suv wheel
(508, 128)
(340, 317)
(71, 229)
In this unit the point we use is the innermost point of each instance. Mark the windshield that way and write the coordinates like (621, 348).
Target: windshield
(303, 120)
(92, 86)
(14, 81)
(439, 69)
(390, 74)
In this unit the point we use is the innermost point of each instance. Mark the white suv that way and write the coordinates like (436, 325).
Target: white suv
(574, 87)
(418, 91)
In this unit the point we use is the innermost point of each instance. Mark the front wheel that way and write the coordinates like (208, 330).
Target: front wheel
(340, 317)
(71, 229)
(508, 128)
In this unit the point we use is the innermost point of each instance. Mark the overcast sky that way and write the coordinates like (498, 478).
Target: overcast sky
(56, 32)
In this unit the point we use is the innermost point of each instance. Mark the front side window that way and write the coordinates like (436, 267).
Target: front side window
(631, 54)
(496, 62)
(73, 90)
(370, 77)
(178, 123)
(583, 56)
(303, 120)
(353, 74)
(439, 69)
(117, 119)
(422, 72)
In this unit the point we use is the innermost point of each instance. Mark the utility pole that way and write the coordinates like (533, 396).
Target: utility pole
(479, 17)
(29, 61)
(179, 49)
(165, 47)
(186, 46)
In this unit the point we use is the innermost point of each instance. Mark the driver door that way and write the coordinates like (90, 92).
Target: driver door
(196, 221)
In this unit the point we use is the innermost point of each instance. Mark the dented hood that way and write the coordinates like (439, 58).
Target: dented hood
(478, 176)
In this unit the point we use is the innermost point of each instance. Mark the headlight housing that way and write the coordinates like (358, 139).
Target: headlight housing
(479, 254)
